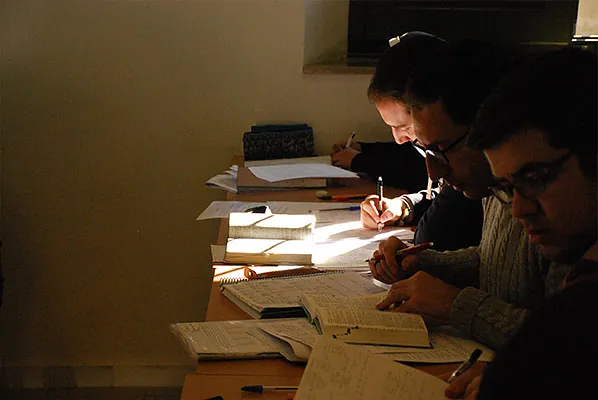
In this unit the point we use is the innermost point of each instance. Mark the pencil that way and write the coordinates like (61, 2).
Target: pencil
(404, 252)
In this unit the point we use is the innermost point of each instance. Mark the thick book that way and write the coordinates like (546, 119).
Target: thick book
(356, 320)
(246, 339)
(280, 297)
(270, 239)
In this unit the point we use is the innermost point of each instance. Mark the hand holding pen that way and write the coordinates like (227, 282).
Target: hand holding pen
(394, 261)
(465, 380)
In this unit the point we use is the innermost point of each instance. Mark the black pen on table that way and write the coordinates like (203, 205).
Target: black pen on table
(380, 193)
(466, 365)
(261, 389)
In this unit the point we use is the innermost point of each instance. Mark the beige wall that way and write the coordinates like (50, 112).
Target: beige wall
(114, 113)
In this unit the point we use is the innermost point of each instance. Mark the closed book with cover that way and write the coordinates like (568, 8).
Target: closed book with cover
(270, 239)
(356, 320)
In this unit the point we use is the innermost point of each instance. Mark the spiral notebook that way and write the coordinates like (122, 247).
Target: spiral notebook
(279, 297)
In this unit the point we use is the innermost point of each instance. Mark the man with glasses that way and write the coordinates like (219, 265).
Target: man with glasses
(484, 291)
(538, 131)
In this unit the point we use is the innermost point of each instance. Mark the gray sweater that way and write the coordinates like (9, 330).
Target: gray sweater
(502, 279)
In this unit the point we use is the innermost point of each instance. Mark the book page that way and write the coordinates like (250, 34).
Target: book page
(281, 172)
(275, 293)
(349, 312)
(448, 346)
(225, 337)
(299, 330)
(221, 209)
(340, 371)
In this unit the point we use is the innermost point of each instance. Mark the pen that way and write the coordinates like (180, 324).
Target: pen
(350, 140)
(352, 208)
(323, 195)
(261, 389)
(379, 192)
(466, 365)
(404, 252)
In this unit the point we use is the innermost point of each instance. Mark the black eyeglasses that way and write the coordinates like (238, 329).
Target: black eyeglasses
(435, 152)
(530, 182)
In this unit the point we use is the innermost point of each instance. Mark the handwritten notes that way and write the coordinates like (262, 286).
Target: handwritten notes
(340, 371)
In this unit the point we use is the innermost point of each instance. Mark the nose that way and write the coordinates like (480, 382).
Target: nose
(522, 207)
(436, 169)
(400, 135)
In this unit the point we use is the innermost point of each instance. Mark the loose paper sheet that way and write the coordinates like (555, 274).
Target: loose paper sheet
(448, 346)
(278, 173)
(340, 371)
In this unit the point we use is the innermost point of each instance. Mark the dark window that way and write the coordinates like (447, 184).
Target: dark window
(529, 25)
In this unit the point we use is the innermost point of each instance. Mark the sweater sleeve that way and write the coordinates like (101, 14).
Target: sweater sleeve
(485, 318)
(458, 268)
(474, 312)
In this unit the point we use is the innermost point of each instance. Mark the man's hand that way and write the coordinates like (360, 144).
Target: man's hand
(388, 269)
(466, 385)
(392, 211)
(338, 146)
(343, 158)
(422, 294)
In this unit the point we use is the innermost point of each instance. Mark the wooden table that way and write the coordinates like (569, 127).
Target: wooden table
(225, 378)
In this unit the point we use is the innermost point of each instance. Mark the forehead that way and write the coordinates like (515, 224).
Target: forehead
(521, 148)
(432, 124)
(393, 108)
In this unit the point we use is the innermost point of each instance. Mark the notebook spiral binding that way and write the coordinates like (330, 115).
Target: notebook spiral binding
(232, 281)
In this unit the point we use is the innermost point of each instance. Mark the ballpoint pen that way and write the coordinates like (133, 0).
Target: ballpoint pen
(352, 208)
(323, 195)
(379, 192)
(466, 365)
(350, 140)
(261, 389)
(404, 252)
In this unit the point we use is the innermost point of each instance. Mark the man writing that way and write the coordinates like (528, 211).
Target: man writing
(485, 291)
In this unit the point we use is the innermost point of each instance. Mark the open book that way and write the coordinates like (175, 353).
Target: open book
(356, 320)
(340, 371)
(280, 297)
(245, 339)
(269, 239)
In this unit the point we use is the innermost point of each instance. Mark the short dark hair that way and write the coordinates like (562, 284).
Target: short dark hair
(555, 93)
(460, 76)
(398, 62)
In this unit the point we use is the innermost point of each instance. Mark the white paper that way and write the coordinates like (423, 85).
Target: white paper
(340, 371)
(299, 207)
(448, 346)
(300, 160)
(278, 173)
(349, 245)
(221, 209)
